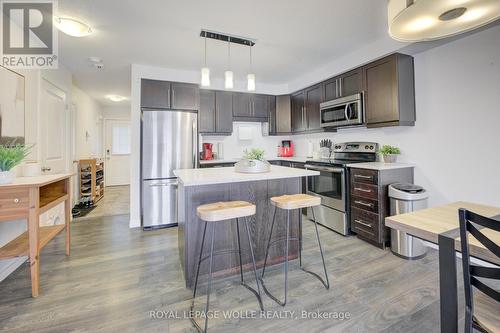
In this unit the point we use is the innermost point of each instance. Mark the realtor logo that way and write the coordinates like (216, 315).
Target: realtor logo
(29, 38)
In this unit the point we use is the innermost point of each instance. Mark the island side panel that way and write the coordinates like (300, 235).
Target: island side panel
(257, 192)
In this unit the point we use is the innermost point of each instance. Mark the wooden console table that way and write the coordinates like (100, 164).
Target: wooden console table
(28, 198)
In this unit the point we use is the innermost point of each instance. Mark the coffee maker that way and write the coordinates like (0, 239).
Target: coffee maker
(207, 153)
(286, 149)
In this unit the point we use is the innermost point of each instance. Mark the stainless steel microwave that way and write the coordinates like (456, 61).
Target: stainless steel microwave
(345, 111)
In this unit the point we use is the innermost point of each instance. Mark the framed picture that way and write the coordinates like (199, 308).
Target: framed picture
(12, 104)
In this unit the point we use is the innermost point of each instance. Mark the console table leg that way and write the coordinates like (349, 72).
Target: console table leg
(33, 236)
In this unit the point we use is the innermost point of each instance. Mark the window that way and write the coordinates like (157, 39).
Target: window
(121, 139)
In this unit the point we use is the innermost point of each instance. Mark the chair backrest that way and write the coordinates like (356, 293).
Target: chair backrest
(473, 272)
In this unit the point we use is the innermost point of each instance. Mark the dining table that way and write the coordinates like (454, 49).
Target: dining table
(440, 225)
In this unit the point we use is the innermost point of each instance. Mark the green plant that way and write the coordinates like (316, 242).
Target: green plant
(390, 150)
(12, 155)
(254, 154)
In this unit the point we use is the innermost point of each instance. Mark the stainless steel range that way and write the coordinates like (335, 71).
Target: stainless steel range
(332, 184)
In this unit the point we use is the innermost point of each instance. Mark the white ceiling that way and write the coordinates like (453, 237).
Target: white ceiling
(293, 37)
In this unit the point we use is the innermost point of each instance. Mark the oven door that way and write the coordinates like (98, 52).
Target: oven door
(330, 186)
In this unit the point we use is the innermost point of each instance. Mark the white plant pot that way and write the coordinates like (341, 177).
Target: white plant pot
(390, 158)
(6, 177)
(252, 166)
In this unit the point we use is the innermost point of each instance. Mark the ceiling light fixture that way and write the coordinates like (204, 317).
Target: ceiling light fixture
(116, 98)
(205, 71)
(251, 76)
(425, 20)
(72, 27)
(228, 74)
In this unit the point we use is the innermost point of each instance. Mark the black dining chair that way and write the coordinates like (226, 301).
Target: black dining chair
(474, 320)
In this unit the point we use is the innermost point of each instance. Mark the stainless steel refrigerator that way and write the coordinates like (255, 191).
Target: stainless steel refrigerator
(169, 141)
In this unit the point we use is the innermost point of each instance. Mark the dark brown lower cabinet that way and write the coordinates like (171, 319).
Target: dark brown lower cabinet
(369, 202)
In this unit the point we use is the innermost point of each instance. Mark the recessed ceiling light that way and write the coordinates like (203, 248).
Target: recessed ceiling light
(95, 59)
(116, 98)
(425, 20)
(72, 27)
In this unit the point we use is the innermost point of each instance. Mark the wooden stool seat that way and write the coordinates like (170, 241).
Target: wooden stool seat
(295, 201)
(220, 211)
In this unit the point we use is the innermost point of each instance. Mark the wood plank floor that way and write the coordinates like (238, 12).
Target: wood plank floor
(116, 276)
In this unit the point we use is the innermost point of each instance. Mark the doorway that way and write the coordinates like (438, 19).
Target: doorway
(117, 151)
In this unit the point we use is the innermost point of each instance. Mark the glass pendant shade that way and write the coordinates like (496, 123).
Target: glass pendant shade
(228, 80)
(425, 20)
(205, 77)
(251, 82)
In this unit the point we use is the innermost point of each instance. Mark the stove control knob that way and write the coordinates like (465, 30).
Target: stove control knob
(371, 147)
(367, 147)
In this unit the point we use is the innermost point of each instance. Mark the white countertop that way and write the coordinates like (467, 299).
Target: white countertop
(380, 166)
(208, 176)
(300, 159)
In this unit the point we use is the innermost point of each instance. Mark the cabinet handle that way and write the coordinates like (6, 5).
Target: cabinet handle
(369, 225)
(16, 200)
(173, 95)
(364, 177)
(362, 190)
(340, 88)
(363, 203)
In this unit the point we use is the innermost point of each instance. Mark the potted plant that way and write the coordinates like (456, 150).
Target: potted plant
(390, 153)
(253, 162)
(10, 156)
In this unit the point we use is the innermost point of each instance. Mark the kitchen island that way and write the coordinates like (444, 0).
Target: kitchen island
(201, 186)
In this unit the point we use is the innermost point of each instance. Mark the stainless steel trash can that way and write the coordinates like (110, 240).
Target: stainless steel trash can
(405, 198)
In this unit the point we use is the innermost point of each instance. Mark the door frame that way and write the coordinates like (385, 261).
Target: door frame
(105, 121)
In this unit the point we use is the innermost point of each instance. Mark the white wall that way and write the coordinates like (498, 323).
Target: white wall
(116, 112)
(88, 133)
(454, 143)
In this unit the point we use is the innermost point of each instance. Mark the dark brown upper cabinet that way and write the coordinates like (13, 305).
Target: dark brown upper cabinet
(167, 95)
(241, 105)
(313, 97)
(216, 112)
(206, 118)
(184, 96)
(390, 91)
(298, 119)
(280, 116)
(224, 112)
(250, 107)
(155, 94)
(347, 84)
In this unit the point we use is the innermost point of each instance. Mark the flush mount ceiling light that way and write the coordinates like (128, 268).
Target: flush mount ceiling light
(116, 98)
(425, 20)
(72, 27)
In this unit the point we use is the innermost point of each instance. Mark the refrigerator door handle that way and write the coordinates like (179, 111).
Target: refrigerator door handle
(195, 144)
(167, 183)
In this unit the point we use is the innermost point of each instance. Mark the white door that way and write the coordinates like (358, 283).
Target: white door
(54, 129)
(117, 149)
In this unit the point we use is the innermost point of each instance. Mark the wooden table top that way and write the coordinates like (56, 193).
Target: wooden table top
(428, 223)
(36, 181)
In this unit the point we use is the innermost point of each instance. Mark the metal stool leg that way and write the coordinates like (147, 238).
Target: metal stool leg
(259, 297)
(199, 264)
(269, 243)
(287, 241)
(209, 286)
(239, 248)
(327, 283)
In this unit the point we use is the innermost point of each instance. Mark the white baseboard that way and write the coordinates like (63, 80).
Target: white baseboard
(11, 267)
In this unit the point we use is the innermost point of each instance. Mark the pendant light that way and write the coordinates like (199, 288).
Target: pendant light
(205, 71)
(228, 75)
(425, 20)
(251, 76)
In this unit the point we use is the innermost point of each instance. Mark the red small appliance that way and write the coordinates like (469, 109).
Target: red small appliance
(207, 152)
(286, 149)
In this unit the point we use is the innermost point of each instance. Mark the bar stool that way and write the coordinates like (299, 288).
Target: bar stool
(218, 212)
(288, 203)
